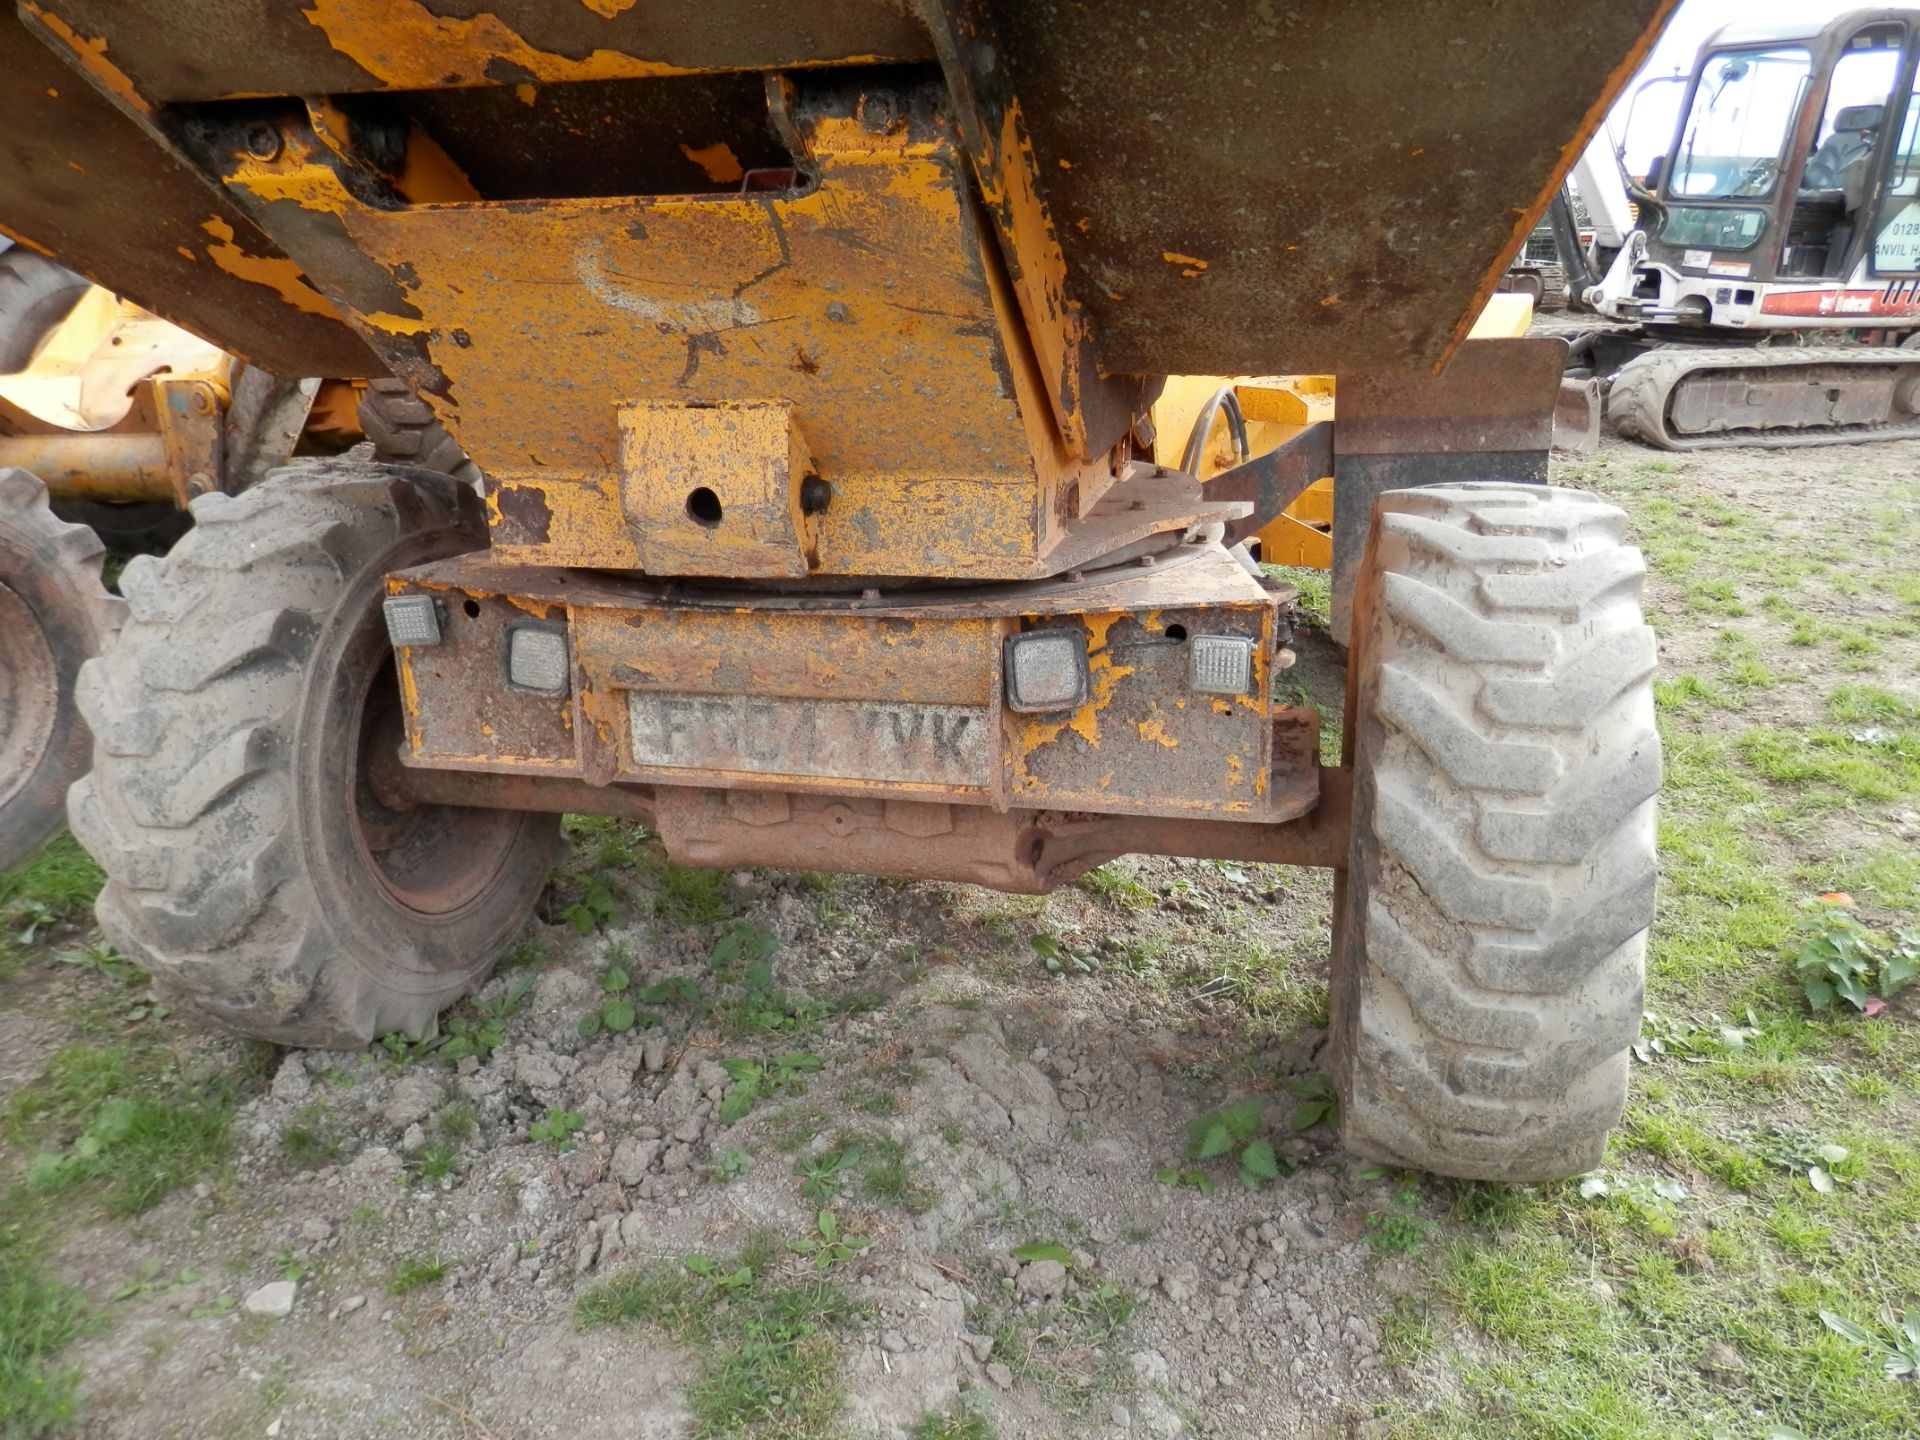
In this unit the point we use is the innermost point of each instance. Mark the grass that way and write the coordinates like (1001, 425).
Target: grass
(417, 1274)
(39, 1317)
(54, 888)
(765, 1348)
(118, 1124)
(967, 1420)
(1630, 1315)
(1072, 1349)
(311, 1140)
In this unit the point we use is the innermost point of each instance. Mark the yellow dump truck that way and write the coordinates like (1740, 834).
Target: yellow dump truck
(809, 354)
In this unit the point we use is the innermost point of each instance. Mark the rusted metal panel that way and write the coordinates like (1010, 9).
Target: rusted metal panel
(458, 708)
(1487, 416)
(1147, 741)
(1022, 851)
(1301, 189)
(896, 696)
(798, 296)
(715, 489)
(82, 182)
(1494, 395)
(177, 50)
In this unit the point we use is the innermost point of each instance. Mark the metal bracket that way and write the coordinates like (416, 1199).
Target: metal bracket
(190, 415)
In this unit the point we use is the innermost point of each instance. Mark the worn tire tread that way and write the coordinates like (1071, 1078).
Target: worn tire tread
(1495, 909)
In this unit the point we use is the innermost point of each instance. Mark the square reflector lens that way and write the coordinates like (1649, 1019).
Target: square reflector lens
(411, 620)
(537, 660)
(1046, 670)
(1220, 664)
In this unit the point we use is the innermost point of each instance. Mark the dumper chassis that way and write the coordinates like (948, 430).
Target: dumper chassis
(808, 368)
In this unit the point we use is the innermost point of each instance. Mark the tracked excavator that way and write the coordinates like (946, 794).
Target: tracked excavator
(1772, 281)
(809, 356)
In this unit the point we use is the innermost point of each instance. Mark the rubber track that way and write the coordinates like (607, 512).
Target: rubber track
(1637, 404)
(1493, 948)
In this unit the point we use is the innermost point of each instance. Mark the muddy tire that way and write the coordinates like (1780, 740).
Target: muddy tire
(404, 431)
(1491, 926)
(250, 869)
(35, 296)
(55, 614)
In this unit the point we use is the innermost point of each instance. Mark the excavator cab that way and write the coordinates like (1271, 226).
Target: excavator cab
(1786, 203)
(1790, 163)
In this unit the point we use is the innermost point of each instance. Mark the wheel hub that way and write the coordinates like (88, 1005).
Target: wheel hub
(433, 861)
(30, 700)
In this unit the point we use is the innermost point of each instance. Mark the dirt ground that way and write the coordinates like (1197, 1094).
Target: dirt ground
(951, 1075)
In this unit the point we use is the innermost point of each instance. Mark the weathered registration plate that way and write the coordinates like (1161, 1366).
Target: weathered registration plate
(828, 739)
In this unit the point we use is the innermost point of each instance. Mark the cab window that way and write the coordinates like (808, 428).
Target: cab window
(1743, 106)
(1853, 125)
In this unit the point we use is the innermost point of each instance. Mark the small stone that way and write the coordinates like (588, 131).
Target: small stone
(315, 1229)
(632, 1158)
(1180, 1282)
(980, 1345)
(1149, 1367)
(537, 1072)
(585, 1167)
(1721, 1358)
(353, 1304)
(273, 1430)
(677, 1158)
(412, 1099)
(893, 1342)
(1160, 1418)
(1000, 1375)
(291, 1083)
(1120, 1417)
(536, 1198)
(653, 1054)
(274, 1300)
(413, 1141)
(1042, 1280)
(689, 1130)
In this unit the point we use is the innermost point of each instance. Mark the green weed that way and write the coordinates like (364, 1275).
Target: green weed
(416, 1274)
(39, 1317)
(765, 1352)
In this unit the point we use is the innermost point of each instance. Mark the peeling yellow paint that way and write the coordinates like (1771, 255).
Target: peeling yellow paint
(607, 9)
(278, 274)
(398, 324)
(1221, 707)
(1039, 732)
(312, 185)
(404, 44)
(718, 160)
(526, 94)
(1151, 729)
(92, 55)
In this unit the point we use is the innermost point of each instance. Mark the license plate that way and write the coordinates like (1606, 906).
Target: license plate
(826, 739)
